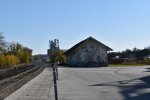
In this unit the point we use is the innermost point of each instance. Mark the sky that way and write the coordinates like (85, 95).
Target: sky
(119, 24)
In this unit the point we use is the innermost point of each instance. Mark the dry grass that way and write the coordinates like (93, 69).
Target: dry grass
(125, 65)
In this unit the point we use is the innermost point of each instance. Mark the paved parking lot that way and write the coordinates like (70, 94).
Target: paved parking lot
(115, 83)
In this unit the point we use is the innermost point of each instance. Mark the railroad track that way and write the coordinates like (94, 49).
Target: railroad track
(9, 85)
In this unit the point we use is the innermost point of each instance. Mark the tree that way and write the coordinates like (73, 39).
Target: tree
(58, 56)
(15, 48)
(23, 53)
(2, 43)
(13, 53)
(27, 55)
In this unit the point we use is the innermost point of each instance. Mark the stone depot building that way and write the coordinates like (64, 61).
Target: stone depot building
(87, 53)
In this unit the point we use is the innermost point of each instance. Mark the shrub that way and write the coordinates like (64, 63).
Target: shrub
(11, 60)
(2, 61)
(8, 61)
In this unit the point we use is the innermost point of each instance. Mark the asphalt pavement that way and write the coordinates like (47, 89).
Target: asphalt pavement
(107, 83)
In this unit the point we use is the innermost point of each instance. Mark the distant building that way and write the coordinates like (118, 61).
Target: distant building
(88, 52)
(53, 46)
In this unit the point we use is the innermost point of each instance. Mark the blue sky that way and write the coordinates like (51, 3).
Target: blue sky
(119, 24)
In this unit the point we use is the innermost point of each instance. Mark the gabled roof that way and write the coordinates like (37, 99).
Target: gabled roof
(90, 38)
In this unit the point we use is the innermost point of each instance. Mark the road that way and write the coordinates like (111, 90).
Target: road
(106, 83)
(120, 83)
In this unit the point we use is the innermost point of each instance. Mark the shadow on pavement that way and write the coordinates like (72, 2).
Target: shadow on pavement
(135, 89)
(148, 70)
